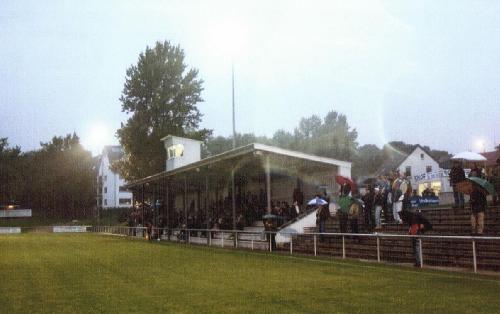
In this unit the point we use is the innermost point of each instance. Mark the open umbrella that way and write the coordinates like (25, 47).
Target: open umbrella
(317, 201)
(341, 180)
(469, 156)
(467, 186)
(487, 186)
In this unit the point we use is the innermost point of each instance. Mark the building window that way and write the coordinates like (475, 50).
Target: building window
(105, 202)
(125, 201)
(123, 189)
(105, 190)
(176, 150)
(421, 156)
(105, 178)
(408, 171)
(428, 169)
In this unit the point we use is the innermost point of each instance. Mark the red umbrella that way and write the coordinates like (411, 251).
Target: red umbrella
(341, 180)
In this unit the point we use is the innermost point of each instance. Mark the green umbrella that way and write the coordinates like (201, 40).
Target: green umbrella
(484, 184)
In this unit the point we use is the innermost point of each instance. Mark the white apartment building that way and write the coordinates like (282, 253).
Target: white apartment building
(110, 186)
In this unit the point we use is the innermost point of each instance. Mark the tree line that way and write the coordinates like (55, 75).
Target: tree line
(56, 180)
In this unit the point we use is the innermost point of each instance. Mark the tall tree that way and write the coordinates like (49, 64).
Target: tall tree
(161, 95)
(10, 165)
(367, 161)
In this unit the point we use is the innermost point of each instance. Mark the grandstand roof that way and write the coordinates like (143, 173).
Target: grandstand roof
(240, 151)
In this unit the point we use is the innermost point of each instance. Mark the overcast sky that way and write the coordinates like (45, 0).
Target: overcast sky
(423, 72)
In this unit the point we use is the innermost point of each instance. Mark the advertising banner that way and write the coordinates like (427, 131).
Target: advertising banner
(69, 229)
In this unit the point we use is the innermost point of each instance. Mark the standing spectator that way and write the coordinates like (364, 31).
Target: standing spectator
(476, 171)
(353, 216)
(345, 202)
(407, 196)
(478, 207)
(322, 215)
(399, 187)
(298, 197)
(386, 192)
(457, 175)
(418, 225)
(369, 199)
(378, 203)
(495, 180)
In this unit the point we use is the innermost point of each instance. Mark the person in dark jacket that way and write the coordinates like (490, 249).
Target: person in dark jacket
(418, 224)
(478, 207)
(322, 215)
(378, 203)
(457, 175)
(369, 199)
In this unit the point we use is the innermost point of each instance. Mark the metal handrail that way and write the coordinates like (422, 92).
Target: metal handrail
(378, 236)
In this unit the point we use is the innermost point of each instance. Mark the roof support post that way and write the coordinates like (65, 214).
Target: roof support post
(233, 201)
(185, 201)
(268, 182)
(206, 199)
(167, 202)
(142, 204)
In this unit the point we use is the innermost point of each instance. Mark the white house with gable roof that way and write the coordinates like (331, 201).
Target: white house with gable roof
(424, 171)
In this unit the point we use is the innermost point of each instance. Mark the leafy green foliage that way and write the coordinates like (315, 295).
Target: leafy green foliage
(54, 181)
(161, 95)
(9, 166)
(328, 137)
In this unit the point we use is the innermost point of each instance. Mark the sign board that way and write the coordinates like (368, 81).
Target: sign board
(436, 175)
(4, 230)
(57, 229)
(419, 201)
(15, 213)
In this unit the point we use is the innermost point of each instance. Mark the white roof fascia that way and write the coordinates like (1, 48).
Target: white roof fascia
(291, 153)
(180, 138)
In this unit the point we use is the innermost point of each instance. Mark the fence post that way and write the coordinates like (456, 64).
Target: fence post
(291, 245)
(236, 239)
(343, 246)
(378, 249)
(474, 257)
(188, 236)
(420, 253)
(209, 238)
(315, 248)
(270, 244)
(222, 239)
(252, 244)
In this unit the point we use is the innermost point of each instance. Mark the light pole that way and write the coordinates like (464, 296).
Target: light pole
(234, 120)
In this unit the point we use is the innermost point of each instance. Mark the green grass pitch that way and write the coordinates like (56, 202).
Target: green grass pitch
(89, 273)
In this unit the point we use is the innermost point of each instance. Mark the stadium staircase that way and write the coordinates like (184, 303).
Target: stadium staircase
(437, 252)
